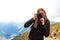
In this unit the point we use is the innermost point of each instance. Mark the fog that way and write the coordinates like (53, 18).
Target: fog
(21, 10)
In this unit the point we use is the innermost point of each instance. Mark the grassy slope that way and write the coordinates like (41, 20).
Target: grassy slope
(24, 36)
(55, 26)
(55, 29)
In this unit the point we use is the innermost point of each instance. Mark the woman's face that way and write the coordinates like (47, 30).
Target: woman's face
(43, 14)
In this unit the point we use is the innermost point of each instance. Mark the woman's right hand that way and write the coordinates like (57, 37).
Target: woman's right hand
(35, 16)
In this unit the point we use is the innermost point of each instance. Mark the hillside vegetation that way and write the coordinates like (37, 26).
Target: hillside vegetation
(54, 33)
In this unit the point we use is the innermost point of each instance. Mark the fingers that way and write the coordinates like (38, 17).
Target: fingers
(41, 19)
(35, 16)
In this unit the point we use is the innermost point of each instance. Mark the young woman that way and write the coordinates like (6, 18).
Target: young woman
(40, 27)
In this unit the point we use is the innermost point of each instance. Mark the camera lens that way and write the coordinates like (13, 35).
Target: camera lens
(39, 15)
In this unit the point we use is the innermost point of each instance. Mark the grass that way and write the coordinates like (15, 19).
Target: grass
(53, 31)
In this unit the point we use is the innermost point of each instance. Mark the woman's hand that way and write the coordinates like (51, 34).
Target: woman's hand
(35, 16)
(42, 21)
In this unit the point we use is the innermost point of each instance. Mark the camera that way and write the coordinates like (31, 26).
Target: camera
(39, 15)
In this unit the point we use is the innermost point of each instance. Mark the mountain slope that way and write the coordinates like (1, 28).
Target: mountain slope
(54, 28)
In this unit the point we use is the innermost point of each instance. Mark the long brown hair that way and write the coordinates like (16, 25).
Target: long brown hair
(36, 20)
(46, 18)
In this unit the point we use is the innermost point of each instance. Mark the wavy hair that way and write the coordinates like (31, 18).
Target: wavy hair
(36, 20)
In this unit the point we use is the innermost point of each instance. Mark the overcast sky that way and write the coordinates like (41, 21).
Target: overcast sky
(21, 10)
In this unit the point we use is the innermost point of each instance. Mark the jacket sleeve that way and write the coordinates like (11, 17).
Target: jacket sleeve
(46, 29)
(29, 22)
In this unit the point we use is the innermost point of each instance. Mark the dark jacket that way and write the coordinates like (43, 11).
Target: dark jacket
(40, 31)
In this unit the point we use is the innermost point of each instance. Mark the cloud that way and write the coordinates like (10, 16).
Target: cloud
(20, 10)
(2, 38)
(56, 19)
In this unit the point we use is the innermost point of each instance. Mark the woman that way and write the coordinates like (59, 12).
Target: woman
(40, 27)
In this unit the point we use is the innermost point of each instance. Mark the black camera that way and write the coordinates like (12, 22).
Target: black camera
(39, 15)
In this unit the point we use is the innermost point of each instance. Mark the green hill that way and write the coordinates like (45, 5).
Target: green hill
(23, 36)
(54, 32)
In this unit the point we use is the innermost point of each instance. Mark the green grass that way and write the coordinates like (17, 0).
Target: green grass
(54, 27)
(24, 36)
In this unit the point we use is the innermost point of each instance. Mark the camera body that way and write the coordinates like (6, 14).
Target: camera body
(39, 15)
